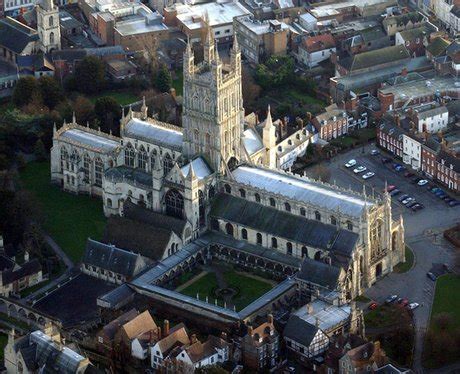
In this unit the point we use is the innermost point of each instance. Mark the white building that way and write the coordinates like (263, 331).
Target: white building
(308, 21)
(316, 49)
(212, 352)
(412, 152)
(432, 120)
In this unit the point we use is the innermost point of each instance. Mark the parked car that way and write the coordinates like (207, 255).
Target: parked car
(448, 199)
(386, 160)
(395, 192)
(431, 276)
(454, 203)
(413, 306)
(374, 152)
(408, 200)
(373, 306)
(396, 165)
(422, 182)
(441, 195)
(411, 204)
(403, 197)
(359, 169)
(368, 175)
(408, 174)
(400, 168)
(390, 188)
(390, 299)
(350, 163)
(403, 302)
(417, 206)
(435, 190)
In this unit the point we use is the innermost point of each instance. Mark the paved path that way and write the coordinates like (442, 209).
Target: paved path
(47, 287)
(59, 252)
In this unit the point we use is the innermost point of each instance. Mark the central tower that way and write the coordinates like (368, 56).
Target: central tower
(213, 112)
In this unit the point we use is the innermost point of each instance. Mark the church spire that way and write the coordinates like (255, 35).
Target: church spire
(191, 173)
(268, 120)
(209, 52)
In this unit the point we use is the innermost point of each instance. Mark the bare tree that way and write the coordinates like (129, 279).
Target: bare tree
(149, 47)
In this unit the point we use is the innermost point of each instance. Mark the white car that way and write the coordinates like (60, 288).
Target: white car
(413, 306)
(408, 200)
(374, 152)
(350, 163)
(368, 175)
(359, 169)
(422, 182)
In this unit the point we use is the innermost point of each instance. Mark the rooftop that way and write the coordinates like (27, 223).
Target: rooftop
(91, 140)
(258, 27)
(327, 315)
(155, 132)
(139, 25)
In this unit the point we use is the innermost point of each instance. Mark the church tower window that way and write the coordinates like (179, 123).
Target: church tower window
(51, 21)
(167, 163)
(244, 234)
(51, 37)
(142, 158)
(129, 155)
(174, 204)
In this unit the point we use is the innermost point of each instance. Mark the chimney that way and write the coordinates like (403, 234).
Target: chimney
(317, 322)
(165, 328)
(250, 330)
(270, 319)
(309, 309)
(193, 338)
(159, 333)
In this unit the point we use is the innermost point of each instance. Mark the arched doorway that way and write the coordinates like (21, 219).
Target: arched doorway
(378, 270)
(232, 163)
(174, 204)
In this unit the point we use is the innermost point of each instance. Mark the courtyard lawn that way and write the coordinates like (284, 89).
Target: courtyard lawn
(69, 219)
(249, 288)
(383, 316)
(445, 301)
(404, 267)
(204, 286)
(122, 97)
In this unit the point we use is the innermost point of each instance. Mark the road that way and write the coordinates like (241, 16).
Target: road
(423, 233)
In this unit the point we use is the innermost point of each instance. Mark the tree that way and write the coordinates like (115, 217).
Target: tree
(163, 80)
(84, 110)
(39, 150)
(24, 91)
(90, 75)
(108, 113)
(250, 89)
(50, 91)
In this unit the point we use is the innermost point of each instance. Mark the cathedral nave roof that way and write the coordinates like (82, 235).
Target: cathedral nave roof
(200, 167)
(252, 141)
(302, 190)
(154, 132)
(90, 139)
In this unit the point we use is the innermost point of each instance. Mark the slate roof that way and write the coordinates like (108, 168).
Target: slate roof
(319, 273)
(456, 11)
(117, 297)
(111, 258)
(403, 19)
(139, 237)
(418, 32)
(155, 132)
(140, 214)
(31, 267)
(438, 46)
(200, 168)
(301, 190)
(252, 141)
(124, 173)
(375, 58)
(69, 55)
(100, 141)
(300, 331)
(282, 224)
(15, 36)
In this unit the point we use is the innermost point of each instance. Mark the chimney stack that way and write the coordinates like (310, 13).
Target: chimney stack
(165, 328)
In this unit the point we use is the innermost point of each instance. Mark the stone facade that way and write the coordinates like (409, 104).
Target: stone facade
(48, 26)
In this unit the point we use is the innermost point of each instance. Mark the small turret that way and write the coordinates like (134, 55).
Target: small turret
(144, 109)
(269, 131)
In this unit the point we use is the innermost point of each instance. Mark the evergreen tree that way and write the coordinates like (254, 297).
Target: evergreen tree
(50, 91)
(163, 80)
(108, 113)
(26, 88)
(90, 75)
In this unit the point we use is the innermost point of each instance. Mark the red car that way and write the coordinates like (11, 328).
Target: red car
(390, 188)
(373, 306)
(403, 302)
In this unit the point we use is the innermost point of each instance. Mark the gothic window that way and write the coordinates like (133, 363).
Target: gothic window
(174, 204)
(244, 234)
(376, 234)
(287, 207)
(257, 197)
(304, 251)
(350, 225)
(272, 201)
(153, 159)
(333, 220)
(303, 212)
(109, 203)
(51, 21)
(129, 155)
(317, 216)
(167, 163)
(259, 238)
(201, 207)
(228, 189)
(318, 256)
(86, 168)
(289, 248)
(142, 158)
(229, 229)
(242, 193)
(274, 243)
(98, 169)
(64, 157)
(51, 37)
(211, 192)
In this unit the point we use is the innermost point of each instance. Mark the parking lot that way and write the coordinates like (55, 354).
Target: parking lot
(423, 231)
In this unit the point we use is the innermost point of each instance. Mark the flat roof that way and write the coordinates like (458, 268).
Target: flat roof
(259, 27)
(89, 139)
(327, 315)
(138, 25)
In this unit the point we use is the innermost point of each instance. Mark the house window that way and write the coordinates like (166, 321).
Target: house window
(242, 193)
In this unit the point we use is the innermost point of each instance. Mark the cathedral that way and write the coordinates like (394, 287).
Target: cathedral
(220, 174)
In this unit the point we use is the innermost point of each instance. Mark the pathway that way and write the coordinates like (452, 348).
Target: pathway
(59, 252)
(190, 281)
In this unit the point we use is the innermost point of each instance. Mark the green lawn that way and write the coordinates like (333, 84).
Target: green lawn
(405, 266)
(303, 97)
(122, 97)
(384, 315)
(249, 288)
(204, 286)
(69, 219)
(178, 81)
(446, 298)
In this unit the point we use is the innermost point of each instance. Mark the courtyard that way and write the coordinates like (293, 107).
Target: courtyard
(69, 219)
(221, 283)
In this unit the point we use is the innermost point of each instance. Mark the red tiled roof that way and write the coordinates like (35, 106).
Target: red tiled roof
(319, 42)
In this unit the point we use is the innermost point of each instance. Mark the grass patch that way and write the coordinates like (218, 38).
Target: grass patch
(203, 286)
(404, 267)
(121, 97)
(445, 301)
(178, 81)
(303, 98)
(3, 343)
(69, 219)
(385, 315)
(249, 288)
